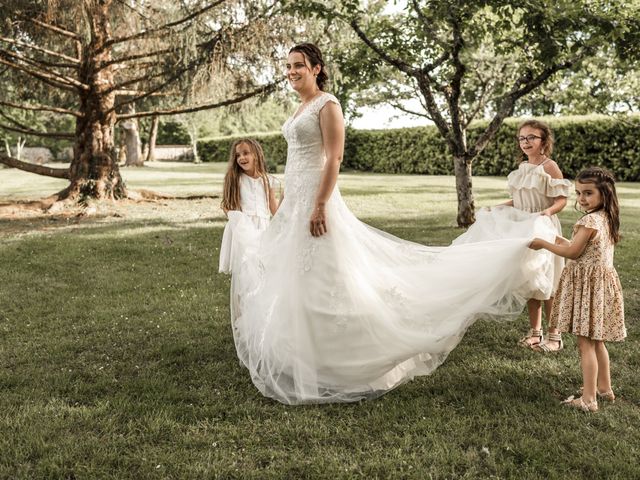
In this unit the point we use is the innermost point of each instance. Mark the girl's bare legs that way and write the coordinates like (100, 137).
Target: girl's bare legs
(604, 372)
(534, 307)
(553, 345)
(589, 364)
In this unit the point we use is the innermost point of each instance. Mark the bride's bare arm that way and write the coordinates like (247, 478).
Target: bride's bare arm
(332, 127)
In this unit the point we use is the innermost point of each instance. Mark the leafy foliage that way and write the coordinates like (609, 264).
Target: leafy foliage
(580, 141)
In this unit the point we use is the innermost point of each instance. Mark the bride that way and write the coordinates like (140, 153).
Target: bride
(328, 309)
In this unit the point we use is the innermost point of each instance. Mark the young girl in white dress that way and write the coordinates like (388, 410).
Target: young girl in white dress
(537, 185)
(589, 300)
(248, 189)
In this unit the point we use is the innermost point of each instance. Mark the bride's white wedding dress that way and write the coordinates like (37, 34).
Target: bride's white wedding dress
(356, 312)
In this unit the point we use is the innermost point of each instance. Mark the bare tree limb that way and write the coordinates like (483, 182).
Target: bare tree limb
(53, 28)
(154, 31)
(33, 168)
(42, 108)
(40, 49)
(401, 107)
(208, 106)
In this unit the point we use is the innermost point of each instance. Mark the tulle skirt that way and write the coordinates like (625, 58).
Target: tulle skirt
(356, 312)
(250, 222)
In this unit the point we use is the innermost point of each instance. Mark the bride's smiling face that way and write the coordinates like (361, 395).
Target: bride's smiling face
(300, 73)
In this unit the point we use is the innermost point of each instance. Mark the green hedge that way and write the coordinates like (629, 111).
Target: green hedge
(580, 141)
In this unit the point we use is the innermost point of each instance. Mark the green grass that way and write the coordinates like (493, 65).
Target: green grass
(117, 360)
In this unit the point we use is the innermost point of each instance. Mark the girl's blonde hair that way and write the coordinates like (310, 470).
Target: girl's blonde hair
(605, 182)
(546, 134)
(231, 189)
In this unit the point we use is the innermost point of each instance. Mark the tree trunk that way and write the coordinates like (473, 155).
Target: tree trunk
(466, 206)
(20, 143)
(153, 135)
(94, 171)
(132, 144)
(193, 137)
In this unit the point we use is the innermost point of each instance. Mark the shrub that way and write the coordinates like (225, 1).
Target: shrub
(580, 141)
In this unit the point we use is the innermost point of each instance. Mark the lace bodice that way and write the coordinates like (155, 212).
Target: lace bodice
(305, 152)
(304, 138)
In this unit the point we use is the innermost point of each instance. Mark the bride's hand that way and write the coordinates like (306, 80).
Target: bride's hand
(317, 224)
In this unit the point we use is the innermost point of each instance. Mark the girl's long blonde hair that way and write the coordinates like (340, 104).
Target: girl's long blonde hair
(231, 189)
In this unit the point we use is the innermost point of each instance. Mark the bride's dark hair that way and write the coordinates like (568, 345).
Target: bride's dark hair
(314, 55)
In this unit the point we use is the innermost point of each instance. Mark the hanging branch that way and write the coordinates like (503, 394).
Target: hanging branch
(155, 31)
(42, 108)
(40, 49)
(207, 106)
(51, 78)
(33, 168)
(21, 128)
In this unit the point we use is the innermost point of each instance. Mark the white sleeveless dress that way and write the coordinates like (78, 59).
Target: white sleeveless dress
(356, 312)
(254, 205)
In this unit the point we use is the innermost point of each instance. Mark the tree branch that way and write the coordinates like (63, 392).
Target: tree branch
(42, 108)
(153, 31)
(399, 106)
(453, 96)
(20, 128)
(399, 64)
(508, 102)
(427, 24)
(38, 64)
(33, 168)
(432, 107)
(49, 78)
(116, 61)
(40, 49)
(53, 28)
(208, 106)
(121, 86)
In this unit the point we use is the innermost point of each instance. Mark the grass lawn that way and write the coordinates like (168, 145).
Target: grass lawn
(117, 360)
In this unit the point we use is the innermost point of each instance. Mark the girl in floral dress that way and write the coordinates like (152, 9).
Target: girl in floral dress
(588, 301)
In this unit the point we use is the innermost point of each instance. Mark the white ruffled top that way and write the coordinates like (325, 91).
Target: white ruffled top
(533, 189)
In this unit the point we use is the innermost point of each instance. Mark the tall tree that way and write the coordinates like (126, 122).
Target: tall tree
(92, 59)
(468, 60)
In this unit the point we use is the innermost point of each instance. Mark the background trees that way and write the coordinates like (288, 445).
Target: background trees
(472, 60)
(93, 60)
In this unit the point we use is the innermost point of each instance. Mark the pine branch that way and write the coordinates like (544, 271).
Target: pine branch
(42, 108)
(20, 128)
(208, 106)
(53, 28)
(51, 78)
(40, 49)
(162, 28)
